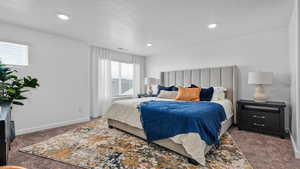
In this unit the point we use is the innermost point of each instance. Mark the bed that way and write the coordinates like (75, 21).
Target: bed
(124, 115)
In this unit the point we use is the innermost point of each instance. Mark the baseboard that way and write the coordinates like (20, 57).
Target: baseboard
(296, 151)
(50, 126)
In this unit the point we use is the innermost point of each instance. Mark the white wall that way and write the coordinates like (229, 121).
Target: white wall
(61, 65)
(264, 51)
(294, 69)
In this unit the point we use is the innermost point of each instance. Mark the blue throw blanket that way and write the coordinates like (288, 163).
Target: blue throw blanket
(164, 119)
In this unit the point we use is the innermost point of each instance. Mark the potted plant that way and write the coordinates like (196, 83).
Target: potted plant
(13, 87)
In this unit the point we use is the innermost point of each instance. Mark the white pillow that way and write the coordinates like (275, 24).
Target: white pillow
(219, 93)
(154, 89)
(167, 94)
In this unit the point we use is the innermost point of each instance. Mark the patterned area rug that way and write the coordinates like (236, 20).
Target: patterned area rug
(94, 146)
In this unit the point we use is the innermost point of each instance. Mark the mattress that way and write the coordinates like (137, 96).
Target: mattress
(125, 112)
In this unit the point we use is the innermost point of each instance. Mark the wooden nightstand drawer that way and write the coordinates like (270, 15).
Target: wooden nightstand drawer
(255, 126)
(261, 117)
(254, 116)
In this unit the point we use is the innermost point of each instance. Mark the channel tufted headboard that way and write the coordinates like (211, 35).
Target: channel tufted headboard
(205, 77)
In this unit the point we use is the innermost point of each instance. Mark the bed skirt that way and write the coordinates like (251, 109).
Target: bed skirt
(166, 143)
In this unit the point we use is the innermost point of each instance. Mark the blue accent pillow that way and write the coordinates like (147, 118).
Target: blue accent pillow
(171, 88)
(206, 93)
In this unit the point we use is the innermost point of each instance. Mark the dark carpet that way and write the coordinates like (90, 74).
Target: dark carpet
(263, 151)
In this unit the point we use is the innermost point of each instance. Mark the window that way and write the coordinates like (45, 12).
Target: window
(122, 79)
(13, 54)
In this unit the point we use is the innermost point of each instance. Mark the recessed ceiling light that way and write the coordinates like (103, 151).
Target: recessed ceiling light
(212, 26)
(63, 17)
(149, 44)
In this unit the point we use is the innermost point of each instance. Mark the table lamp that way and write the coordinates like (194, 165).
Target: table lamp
(260, 79)
(149, 81)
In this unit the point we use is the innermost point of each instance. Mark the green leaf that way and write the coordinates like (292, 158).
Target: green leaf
(12, 77)
(18, 103)
(20, 97)
(28, 82)
(11, 91)
(4, 99)
(23, 91)
(12, 86)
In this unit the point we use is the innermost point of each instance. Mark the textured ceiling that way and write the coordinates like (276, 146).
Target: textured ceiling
(131, 24)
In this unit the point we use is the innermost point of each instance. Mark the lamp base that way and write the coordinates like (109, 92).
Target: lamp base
(150, 91)
(260, 95)
(261, 100)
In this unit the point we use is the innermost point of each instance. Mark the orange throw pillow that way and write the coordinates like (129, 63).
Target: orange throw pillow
(189, 94)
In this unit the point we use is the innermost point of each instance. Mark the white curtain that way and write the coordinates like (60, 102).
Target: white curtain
(138, 74)
(101, 81)
(136, 77)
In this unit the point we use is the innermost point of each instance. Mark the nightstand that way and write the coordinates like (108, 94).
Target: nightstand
(145, 95)
(267, 117)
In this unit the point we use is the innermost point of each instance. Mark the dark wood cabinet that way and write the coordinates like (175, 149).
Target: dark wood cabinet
(5, 133)
(267, 117)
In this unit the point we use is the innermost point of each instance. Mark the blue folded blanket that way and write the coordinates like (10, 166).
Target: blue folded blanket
(164, 119)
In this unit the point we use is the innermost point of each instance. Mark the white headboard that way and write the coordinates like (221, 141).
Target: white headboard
(205, 77)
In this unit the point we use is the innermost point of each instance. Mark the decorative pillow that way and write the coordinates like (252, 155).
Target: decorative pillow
(171, 88)
(219, 93)
(189, 94)
(178, 86)
(193, 86)
(168, 94)
(206, 94)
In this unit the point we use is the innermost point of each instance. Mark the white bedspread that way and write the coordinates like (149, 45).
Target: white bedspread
(126, 111)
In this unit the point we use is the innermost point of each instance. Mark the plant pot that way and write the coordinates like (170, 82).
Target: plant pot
(7, 107)
(12, 131)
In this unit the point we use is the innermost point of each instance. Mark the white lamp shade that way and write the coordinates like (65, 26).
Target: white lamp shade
(150, 81)
(260, 78)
